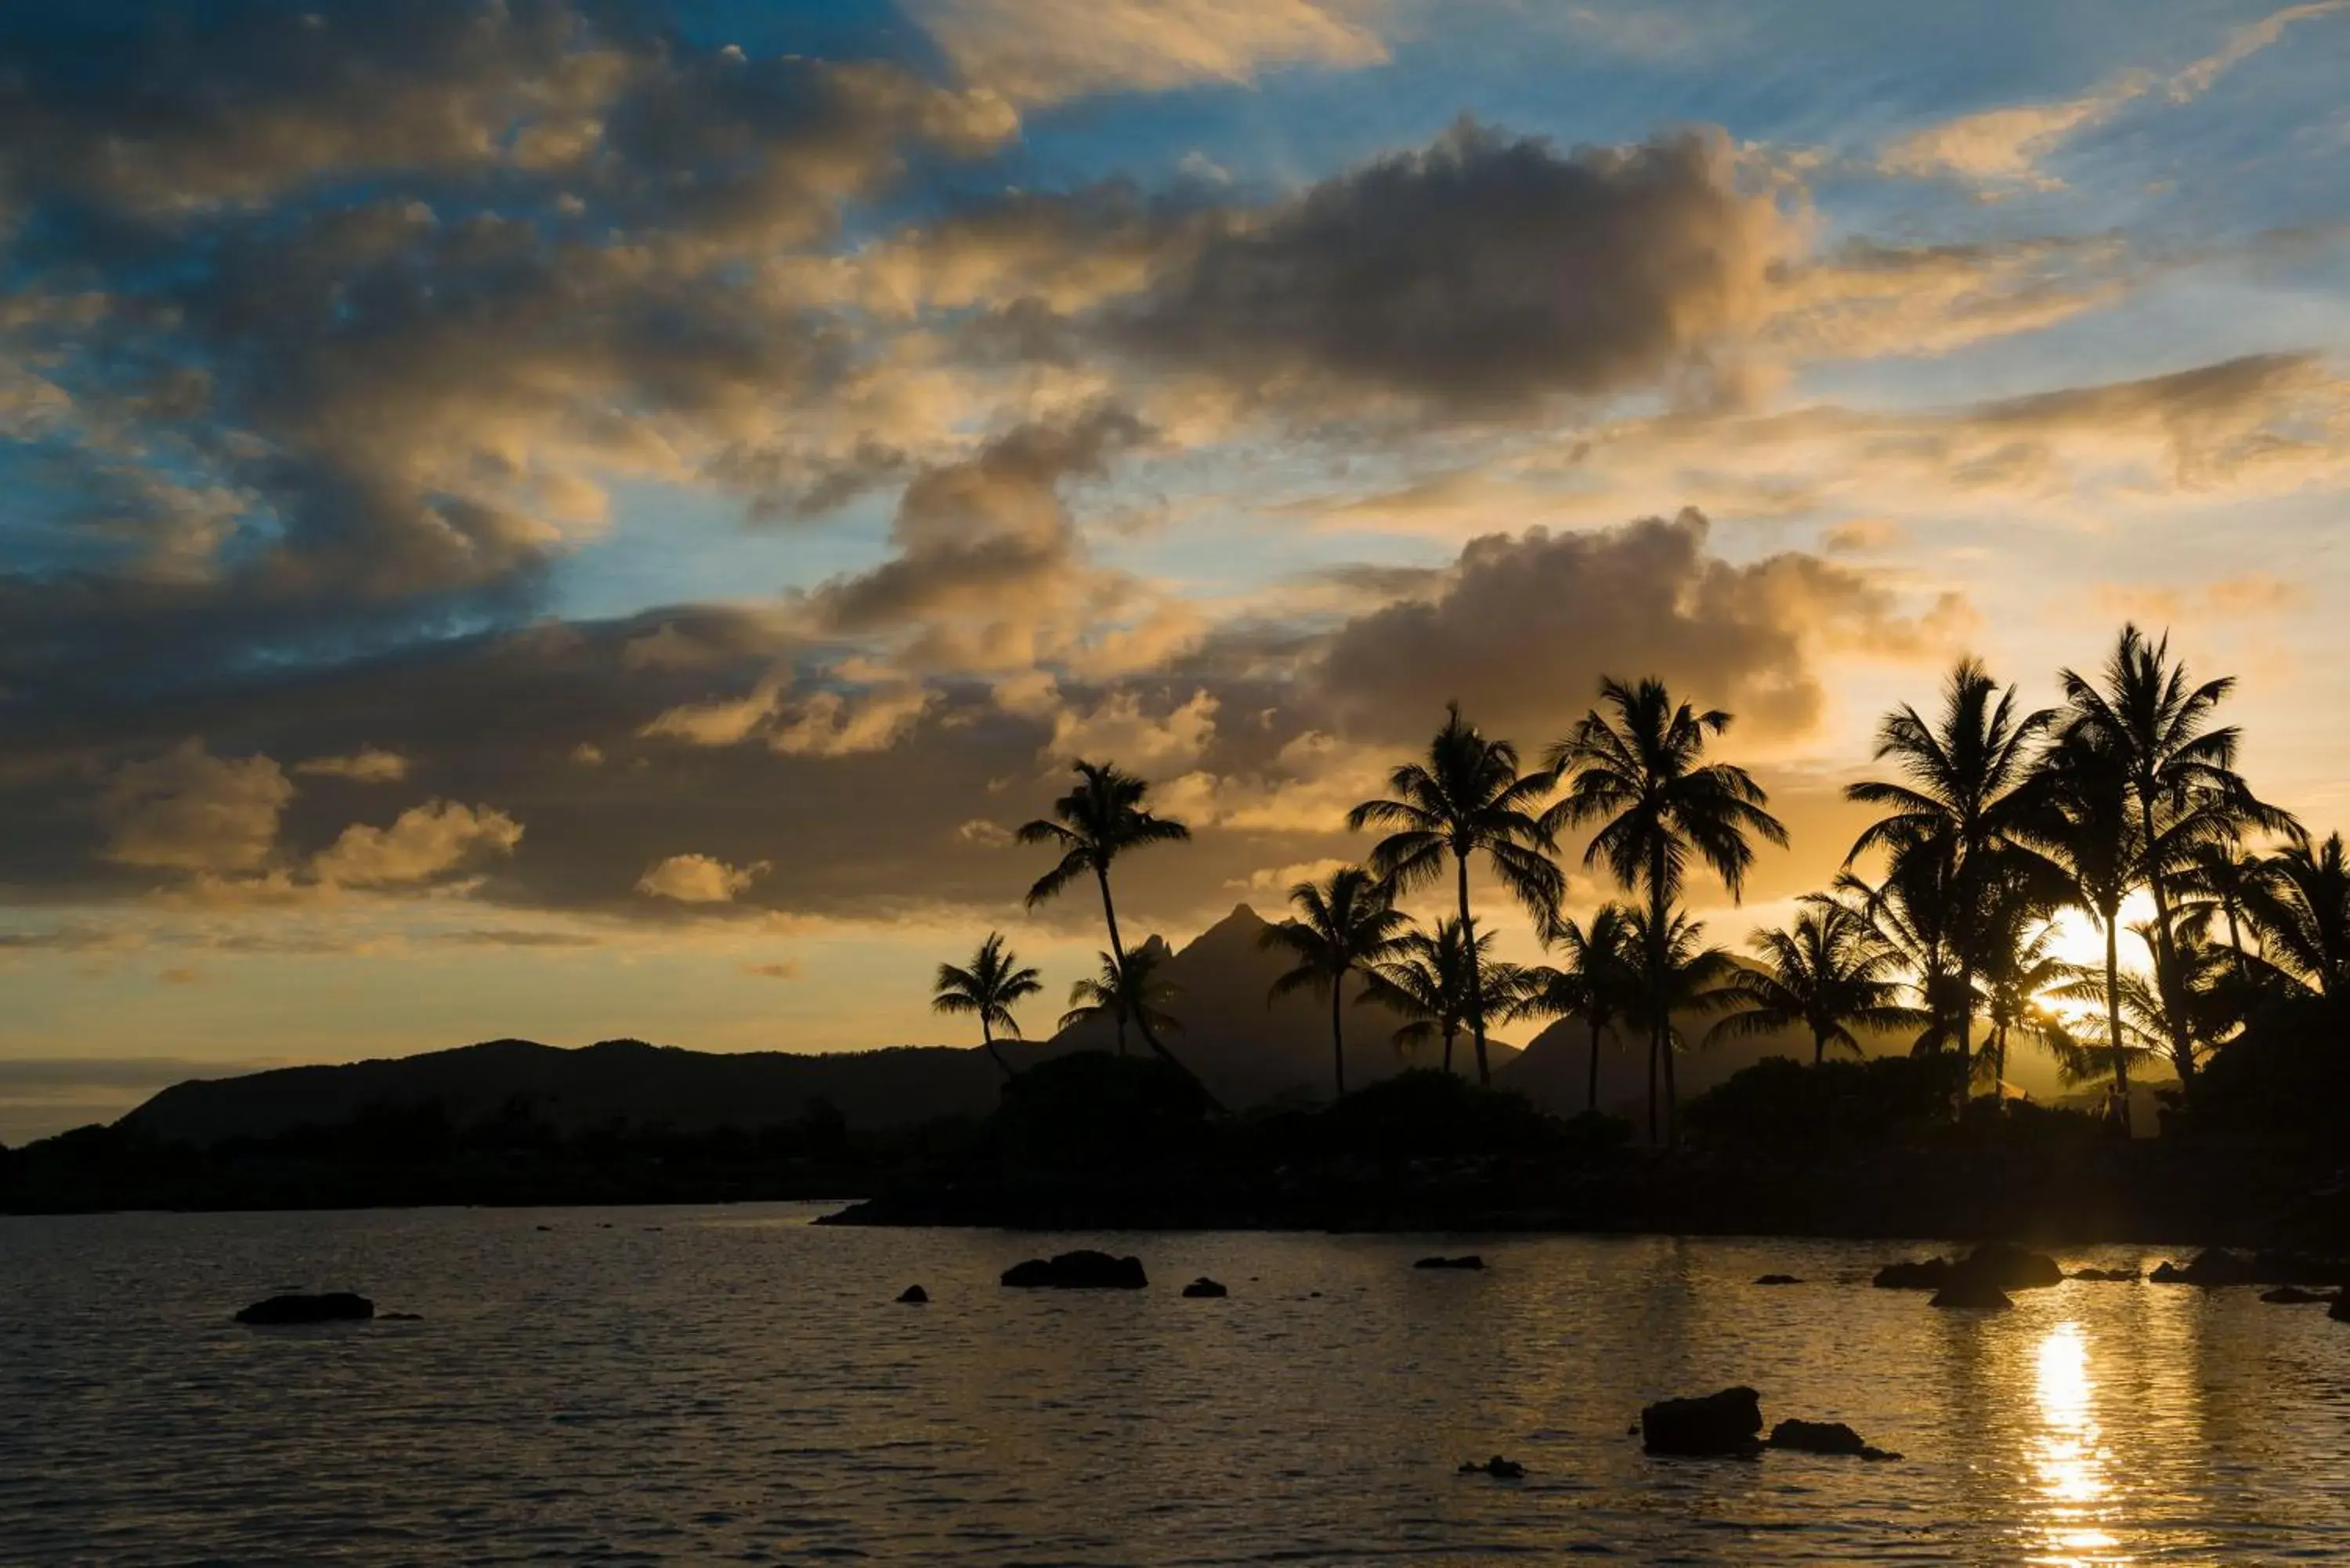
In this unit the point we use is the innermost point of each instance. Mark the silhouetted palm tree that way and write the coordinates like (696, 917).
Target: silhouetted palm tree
(1465, 798)
(2083, 823)
(1126, 989)
(1908, 911)
(1962, 801)
(1676, 973)
(987, 987)
(1428, 979)
(1828, 973)
(2022, 967)
(1103, 818)
(2221, 869)
(2300, 908)
(2178, 760)
(1641, 777)
(1598, 983)
(1347, 923)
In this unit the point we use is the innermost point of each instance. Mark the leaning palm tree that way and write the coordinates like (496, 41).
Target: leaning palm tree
(1124, 990)
(1427, 979)
(2177, 759)
(1595, 984)
(1911, 911)
(1641, 777)
(1466, 798)
(2023, 968)
(1962, 799)
(2220, 870)
(1827, 974)
(1344, 925)
(987, 987)
(1103, 818)
(2300, 908)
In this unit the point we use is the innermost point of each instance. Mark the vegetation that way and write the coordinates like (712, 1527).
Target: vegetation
(1996, 823)
(1127, 990)
(986, 988)
(1350, 923)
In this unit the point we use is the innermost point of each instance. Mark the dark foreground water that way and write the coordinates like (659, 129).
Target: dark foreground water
(734, 1384)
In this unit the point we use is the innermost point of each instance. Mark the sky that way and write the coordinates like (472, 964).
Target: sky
(587, 519)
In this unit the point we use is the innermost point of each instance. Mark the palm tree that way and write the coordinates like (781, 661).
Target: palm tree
(2221, 869)
(2177, 759)
(1911, 911)
(987, 987)
(2083, 823)
(1641, 776)
(1347, 923)
(1103, 818)
(2300, 908)
(1675, 974)
(1827, 973)
(1465, 798)
(1597, 985)
(1427, 979)
(2022, 967)
(1125, 989)
(1963, 801)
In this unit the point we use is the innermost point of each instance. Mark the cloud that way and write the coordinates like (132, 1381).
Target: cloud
(824, 723)
(2251, 595)
(1527, 625)
(1044, 51)
(423, 844)
(365, 765)
(191, 811)
(2009, 145)
(1477, 278)
(698, 879)
(1118, 729)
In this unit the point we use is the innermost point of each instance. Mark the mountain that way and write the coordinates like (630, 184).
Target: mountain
(1249, 1051)
(616, 1080)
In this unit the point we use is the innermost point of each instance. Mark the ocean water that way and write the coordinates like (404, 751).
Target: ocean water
(736, 1385)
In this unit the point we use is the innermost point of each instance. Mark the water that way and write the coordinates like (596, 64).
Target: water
(736, 1385)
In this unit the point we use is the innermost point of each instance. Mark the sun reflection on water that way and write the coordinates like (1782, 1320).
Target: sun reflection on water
(2070, 1456)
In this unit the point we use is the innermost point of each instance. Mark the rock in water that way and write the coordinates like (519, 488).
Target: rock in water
(1081, 1271)
(1919, 1274)
(1971, 1294)
(913, 1295)
(334, 1306)
(2010, 1268)
(2117, 1276)
(2293, 1295)
(1204, 1289)
(1471, 1262)
(1497, 1467)
(1729, 1422)
(2339, 1311)
(1778, 1280)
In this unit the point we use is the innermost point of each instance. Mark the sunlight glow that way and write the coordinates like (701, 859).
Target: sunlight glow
(2082, 940)
(2069, 1454)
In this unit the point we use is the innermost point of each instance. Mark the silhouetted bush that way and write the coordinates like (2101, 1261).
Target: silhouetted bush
(2287, 1074)
(1091, 1109)
(1790, 1106)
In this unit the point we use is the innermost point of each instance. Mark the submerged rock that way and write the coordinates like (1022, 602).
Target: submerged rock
(1078, 1270)
(913, 1295)
(2211, 1267)
(400, 1317)
(1470, 1261)
(2293, 1295)
(2117, 1276)
(2339, 1311)
(1995, 1265)
(1969, 1293)
(334, 1306)
(1778, 1280)
(1824, 1437)
(1729, 1422)
(1497, 1467)
(1204, 1289)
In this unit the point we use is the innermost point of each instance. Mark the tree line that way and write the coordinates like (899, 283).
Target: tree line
(1994, 822)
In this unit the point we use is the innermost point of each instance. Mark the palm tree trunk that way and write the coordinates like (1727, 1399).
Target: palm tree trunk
(1338, 1032)
(1476, 976)
(2166, 957)
(1142, 1016)
(1819, 1048)
(2114, 1012)
(987, 1038)
(1448, 1049)
(1591, 1101)
(1661, 1023)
